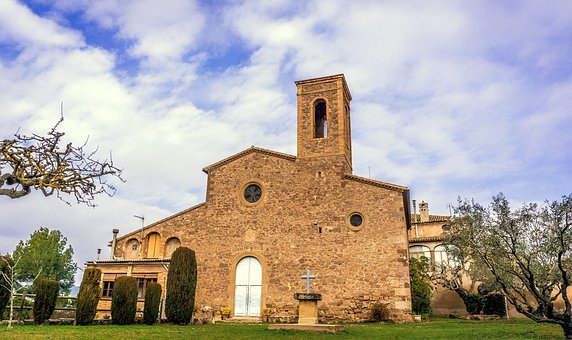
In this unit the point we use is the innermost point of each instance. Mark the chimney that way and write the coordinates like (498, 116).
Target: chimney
(414, 211)
(98, 253)
(114, 243)
(424, 211)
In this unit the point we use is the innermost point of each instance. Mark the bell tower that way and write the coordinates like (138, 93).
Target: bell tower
(324, 119)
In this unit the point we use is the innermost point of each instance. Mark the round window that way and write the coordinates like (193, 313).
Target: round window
(252, 193)
(445, 227)
(356, 220)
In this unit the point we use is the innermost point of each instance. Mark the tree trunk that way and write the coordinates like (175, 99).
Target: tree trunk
(11, 308)
(567, 331)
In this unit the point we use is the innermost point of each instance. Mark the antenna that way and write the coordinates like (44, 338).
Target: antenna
(142, 218)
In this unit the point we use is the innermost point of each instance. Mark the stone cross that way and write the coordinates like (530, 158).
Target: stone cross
(308, 277)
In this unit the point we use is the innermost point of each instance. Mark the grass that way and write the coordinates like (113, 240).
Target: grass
(436, 329)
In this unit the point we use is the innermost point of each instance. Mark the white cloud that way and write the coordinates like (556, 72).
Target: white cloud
(18, 25)
(450, 99)
(159, 29)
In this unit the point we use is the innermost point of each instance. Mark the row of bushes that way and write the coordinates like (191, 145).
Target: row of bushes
(179, 305)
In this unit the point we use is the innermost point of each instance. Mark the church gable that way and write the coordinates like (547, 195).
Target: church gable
(252, 149)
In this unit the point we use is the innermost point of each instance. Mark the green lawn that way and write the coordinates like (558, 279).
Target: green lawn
(435, 329)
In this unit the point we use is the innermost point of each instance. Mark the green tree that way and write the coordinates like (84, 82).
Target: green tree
(46, 251)
(527, 250)
(5, 264)
(420, 286)
(181, 284)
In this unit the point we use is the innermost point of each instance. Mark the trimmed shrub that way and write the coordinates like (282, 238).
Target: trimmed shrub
(494, 304)
(88, 297)
(5, 263)
(181, 284)
(124, 300)
(45, 300)
(420, 286)
(152, 301)
(379, 312)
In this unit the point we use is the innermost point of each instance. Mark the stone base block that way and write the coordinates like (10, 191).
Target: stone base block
(310, 328)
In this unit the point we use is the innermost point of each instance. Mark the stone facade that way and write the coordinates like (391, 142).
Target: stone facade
(302, 219)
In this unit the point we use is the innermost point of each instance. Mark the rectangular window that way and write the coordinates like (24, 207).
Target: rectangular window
(108, 282)
(107, 289)
(142, 284)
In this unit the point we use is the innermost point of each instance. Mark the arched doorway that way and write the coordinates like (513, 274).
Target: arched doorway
(248, 287)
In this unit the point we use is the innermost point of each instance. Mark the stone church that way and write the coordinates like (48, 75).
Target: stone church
(270, 216)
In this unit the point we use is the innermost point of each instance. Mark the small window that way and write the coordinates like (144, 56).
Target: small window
(252, 193)
(356, 221)
(142, 284)
(107, 289)
(132, 249)
(320, 119)
(444, 259)
(445, 227)
(420, 251)
(171, 245)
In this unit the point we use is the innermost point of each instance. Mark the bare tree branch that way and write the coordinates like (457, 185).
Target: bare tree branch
(42, 163)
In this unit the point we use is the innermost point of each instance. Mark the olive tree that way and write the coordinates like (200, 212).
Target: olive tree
(527, 250)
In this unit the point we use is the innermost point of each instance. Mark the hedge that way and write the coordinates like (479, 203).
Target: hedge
(124, 300)
(88, 297)
(152, 301)
(45, 300)
(181, 284)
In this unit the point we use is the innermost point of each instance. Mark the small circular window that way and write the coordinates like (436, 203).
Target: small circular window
(252, 193)
(445, 227)
(356, 221)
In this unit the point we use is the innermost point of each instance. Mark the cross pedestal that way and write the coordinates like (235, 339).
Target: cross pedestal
(308, 312)
(307, 307)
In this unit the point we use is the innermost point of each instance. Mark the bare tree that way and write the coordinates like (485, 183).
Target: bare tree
(40, 162)
(11, 283)
(528, 251)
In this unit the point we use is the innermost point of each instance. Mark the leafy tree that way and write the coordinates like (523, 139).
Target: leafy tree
(46, 250)
(181, 284)
(42, 163)
(88, 297)
(124, 300)
(152, 301)
(420, 286)
(528, 251)
(45, 299)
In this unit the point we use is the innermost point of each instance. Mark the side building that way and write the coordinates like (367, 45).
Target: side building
(426, 238)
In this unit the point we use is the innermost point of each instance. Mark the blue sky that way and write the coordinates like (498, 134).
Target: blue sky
(452, 98)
